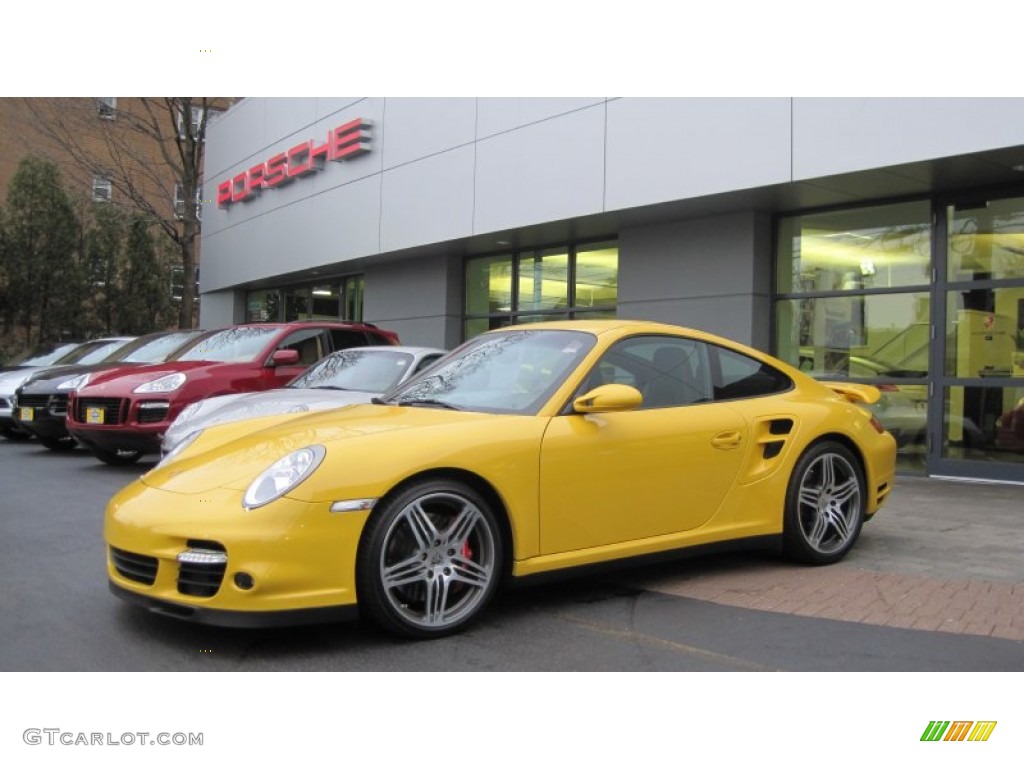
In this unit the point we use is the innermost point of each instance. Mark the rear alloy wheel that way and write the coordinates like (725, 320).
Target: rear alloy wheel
(430, 559)
(119, 457)
(824, 504)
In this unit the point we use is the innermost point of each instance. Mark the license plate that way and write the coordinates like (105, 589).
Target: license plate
(26, 414)
(94, 415)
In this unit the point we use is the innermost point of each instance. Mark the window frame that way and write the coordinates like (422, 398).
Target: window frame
(518, 314)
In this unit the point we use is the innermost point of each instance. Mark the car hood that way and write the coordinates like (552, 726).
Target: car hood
(120, 382)
(11, 380)
(253, 405)
(232, 455)
(48, 379)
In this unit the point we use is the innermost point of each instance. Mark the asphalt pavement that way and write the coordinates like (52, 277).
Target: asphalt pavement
(936, 583)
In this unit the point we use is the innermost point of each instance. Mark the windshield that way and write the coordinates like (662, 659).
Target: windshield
(357, 369)
(92, 352)
(43, 355)
(232, 345)
(500, 372)
(153, 348)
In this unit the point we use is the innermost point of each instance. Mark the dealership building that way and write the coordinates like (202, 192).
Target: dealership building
(877, 239)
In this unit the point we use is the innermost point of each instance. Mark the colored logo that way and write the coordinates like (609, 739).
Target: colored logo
(959, 730)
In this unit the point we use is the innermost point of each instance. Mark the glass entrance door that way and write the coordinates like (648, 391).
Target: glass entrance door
(976, 408)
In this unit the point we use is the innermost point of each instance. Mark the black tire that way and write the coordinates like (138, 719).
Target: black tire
(825, 504)
(429, 560)
(120, 457)
(14, 434)
(62, 444)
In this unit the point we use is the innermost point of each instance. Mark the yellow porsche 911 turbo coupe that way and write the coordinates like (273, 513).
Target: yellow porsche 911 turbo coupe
(528, 450)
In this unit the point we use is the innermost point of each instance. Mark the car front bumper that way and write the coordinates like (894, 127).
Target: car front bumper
(288, 557)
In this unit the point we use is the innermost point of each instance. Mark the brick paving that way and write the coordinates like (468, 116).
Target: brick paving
(941, 556)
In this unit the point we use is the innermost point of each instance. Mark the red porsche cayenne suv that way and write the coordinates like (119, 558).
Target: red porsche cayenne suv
(122, 414)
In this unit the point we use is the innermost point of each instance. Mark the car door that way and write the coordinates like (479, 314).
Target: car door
(660, 469)
(310, 343)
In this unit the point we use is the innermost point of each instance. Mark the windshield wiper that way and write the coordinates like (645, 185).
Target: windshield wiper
(430, 404)
(330, 386)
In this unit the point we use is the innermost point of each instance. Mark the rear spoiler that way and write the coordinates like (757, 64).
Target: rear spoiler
(855, 393)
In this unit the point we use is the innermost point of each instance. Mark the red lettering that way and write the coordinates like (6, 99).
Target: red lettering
(277, 170)
(238, 188)
(349, 140)
(224, 194)
(299, 161)
(254, 183)
(344, 142)
(317, 155)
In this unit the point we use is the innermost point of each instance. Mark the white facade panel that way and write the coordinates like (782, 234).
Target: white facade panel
(544, 172)
(234, 137)
(333, 174)
(672, 149)
(415, 128)
(427, 201)
(833, 136)
(497, 115)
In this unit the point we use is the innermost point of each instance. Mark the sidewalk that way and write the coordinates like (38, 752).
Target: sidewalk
(940, 555)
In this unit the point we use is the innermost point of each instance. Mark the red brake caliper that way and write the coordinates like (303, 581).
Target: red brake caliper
(466, 551)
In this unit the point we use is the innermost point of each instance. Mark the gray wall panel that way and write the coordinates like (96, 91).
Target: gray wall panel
(414, 297)
(430, 200)
(671, 149)
(497, 115)
(832, 136)
(705, 273)
(729, 316)
(418, 127)
(547, 171)
(221, 308)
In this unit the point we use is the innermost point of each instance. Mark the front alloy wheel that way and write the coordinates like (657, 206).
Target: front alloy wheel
(824, 504)
(430, 559)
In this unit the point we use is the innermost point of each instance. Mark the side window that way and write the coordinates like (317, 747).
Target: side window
(343, 339)
(308, 342)
(738, 376)
(427, 361)
(668, 371)
(376, 338)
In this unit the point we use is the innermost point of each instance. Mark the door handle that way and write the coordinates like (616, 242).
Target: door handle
(727, 439)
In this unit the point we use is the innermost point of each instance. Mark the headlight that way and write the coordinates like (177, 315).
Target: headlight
(168, 383)
(283, 475)
(180, 446)
(76, 383)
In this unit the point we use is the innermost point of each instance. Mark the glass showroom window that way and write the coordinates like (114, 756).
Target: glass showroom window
(543, 284)
(854, 302)
(983, 367)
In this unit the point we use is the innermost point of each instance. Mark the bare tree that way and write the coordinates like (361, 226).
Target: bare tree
(147, 151)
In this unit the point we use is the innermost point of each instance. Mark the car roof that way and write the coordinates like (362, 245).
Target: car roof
(393, 348)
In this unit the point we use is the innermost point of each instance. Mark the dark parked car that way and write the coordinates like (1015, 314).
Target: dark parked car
(41, 403)
(121, 415)
(66, 354)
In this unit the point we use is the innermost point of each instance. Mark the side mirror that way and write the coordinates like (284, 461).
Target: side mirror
(609, 397)
(284, 357)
